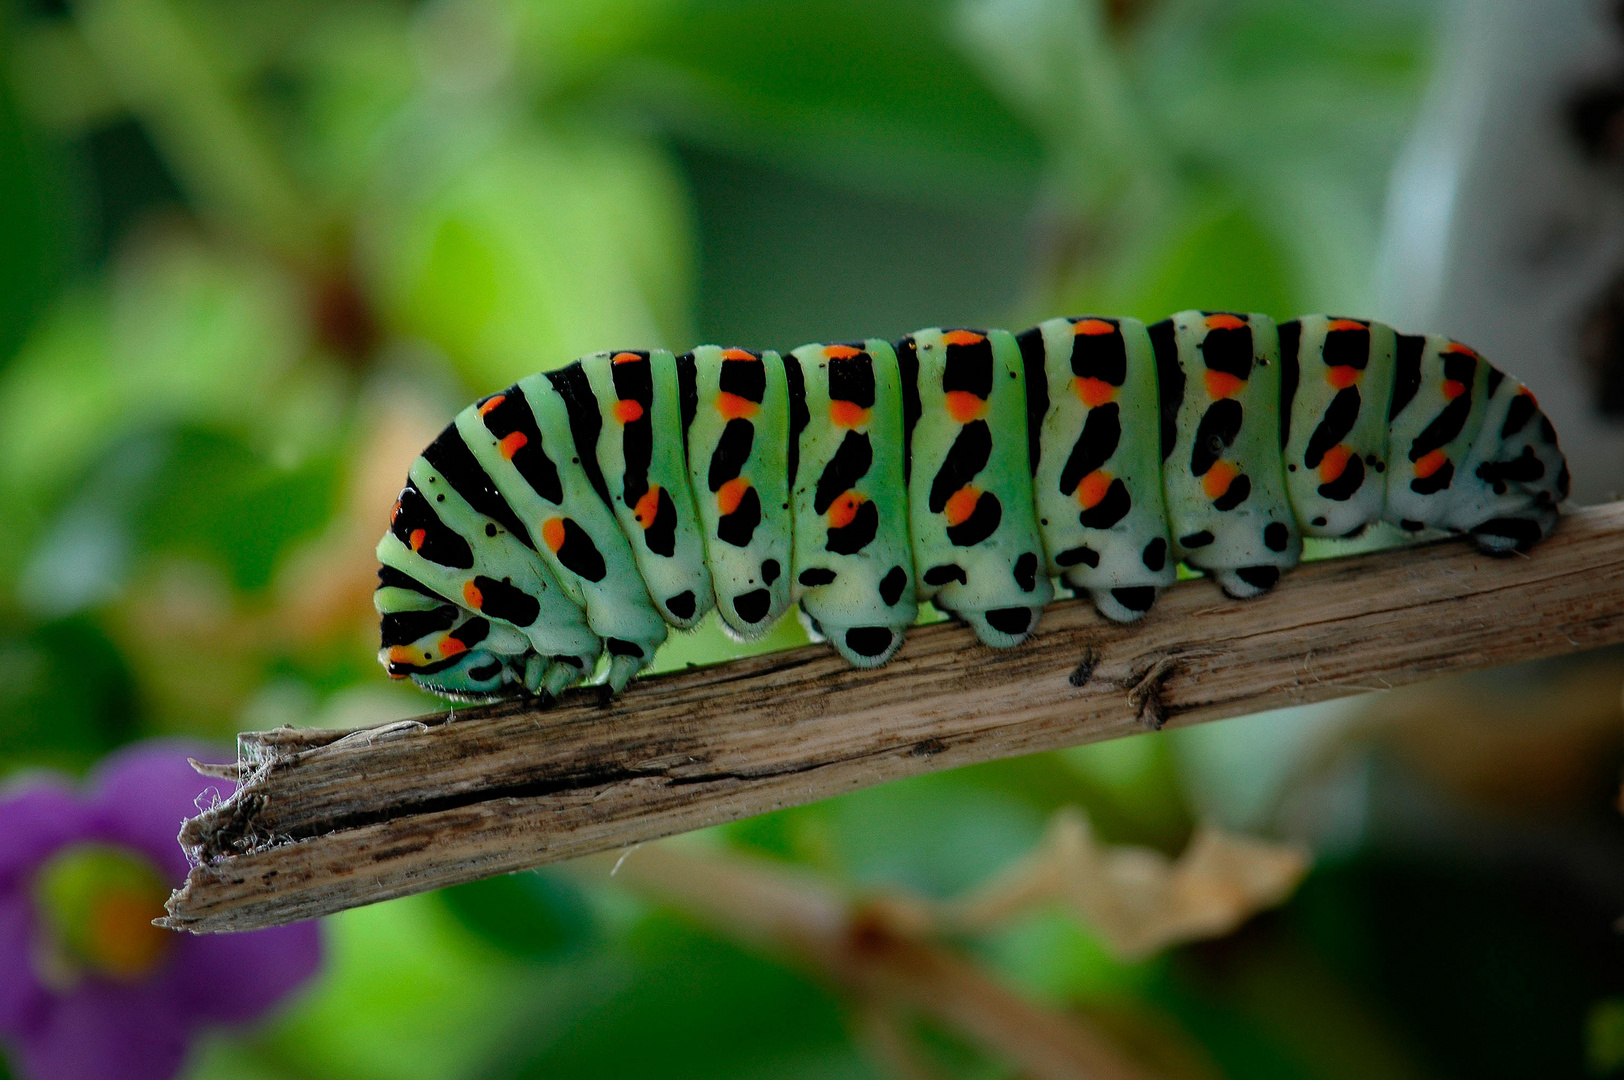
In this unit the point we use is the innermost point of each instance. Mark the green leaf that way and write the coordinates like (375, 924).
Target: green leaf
(695, 1006)
(357, 70)
(407, 993)
(34, 226)
(1217, 256)
(195, 493)
(531, 915)
(871, 95)
(218, 501)
(66, 695)
(533, 250)
(180, 333)
(933, 834)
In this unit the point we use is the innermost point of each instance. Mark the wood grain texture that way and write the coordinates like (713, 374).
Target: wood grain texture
(328, 820)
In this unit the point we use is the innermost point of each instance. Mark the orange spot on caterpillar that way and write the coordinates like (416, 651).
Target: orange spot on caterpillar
(1221, 384)
(404, 655)
(1342, 376)
(417, 538)
(1430, 463)
(395, 513)
(1092, 327)
(627, 411)
(471, 593)
(625, 358)
(1457, 347)
(843, 511)
(1093, 488)
(647, 507)
(492, 403)
(1225, 321)
(1333, 463)
(739, 354)
(840, 352)
(1523, 390)
(1344, 324)
(964, 406)
(961, 504)
(847, 414)
(734, 407)
(552, 534)
(730, 494)
(511, 444)
(450, 646)
(963, 337)
(1093, 392)
(1218, 479)
(1453, 389)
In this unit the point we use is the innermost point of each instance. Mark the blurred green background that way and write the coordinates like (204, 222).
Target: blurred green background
(254, 253)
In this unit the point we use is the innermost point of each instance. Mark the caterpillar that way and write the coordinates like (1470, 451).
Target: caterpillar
(586, 510)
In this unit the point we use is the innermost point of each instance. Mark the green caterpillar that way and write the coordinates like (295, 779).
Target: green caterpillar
(585, 510)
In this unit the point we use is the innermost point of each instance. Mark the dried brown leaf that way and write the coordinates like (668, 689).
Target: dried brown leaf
(1136, 899)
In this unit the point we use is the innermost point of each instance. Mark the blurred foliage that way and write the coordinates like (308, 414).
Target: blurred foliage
(254, 253)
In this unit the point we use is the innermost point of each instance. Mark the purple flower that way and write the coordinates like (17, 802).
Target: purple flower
(88, 987)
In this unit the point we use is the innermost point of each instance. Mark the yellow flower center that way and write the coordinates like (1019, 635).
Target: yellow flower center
(96, 903)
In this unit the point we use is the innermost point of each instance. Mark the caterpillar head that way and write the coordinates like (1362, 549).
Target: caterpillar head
(473, 675)
(452, 653)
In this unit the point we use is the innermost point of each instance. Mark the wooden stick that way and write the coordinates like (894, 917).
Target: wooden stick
(328, 820)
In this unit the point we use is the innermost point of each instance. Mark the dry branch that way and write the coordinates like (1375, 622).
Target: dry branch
(328, 820)
(867, 950)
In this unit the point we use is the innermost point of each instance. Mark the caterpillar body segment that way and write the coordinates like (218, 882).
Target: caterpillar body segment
(1519, 470)
(641, 457)
(1098, 469)
(1225, 477)
(459, 645)
(853, 558)
(583, 511)
(423, 636)
(1336, 389)
(528, 441)
(738, 465)
(1440, 388)
(455, 535)
(975, 532)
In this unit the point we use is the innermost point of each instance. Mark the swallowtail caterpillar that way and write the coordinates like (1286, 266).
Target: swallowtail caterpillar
(587, 509)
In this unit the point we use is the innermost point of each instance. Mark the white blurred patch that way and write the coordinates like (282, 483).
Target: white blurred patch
(1237, 772)
(1498, 231)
